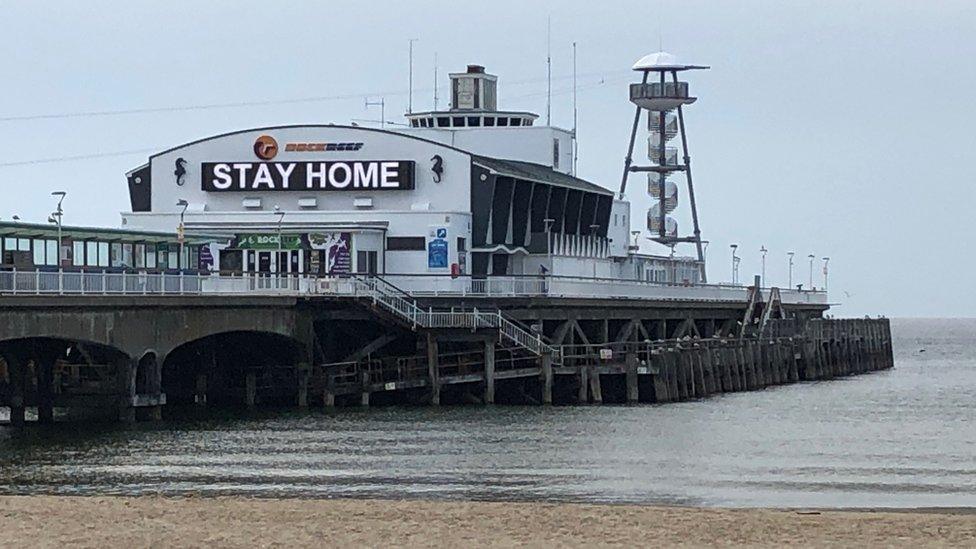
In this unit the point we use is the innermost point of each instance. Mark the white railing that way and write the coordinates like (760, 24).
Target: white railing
(108, 283)
(394, 300)
(38, 282)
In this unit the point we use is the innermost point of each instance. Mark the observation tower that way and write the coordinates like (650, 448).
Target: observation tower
(662, 96)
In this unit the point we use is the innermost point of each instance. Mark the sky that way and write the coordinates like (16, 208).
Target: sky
(841, 129)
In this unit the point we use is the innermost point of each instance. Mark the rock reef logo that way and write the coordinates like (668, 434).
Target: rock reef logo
(265, 147)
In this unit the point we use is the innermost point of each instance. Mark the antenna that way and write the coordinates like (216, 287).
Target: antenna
(549, 71)
(382, 105)
(435, 80)
(410, 78)
(575, 140)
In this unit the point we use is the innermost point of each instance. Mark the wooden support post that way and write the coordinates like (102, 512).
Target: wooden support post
(595, 389)
(489, 396)
(433, 370)
(684, 383)
(200, 394)
(584, 381)
(546, 363)
(250, 389)
(303, 374)
(364, 389)
(661, 391)
(674, 373)
(701, 380)
(633, 392)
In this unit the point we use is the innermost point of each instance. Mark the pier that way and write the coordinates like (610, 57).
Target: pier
(127, 353)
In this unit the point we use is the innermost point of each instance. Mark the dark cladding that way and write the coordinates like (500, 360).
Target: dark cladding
(334, 175)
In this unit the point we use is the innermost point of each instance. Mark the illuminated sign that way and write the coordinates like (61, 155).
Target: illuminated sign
(335, 175)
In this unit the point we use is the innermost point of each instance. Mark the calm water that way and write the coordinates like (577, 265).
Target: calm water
(902, 438)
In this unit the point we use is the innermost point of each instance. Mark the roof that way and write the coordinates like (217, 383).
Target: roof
(663, 61)
(538, 173)
(48, 230)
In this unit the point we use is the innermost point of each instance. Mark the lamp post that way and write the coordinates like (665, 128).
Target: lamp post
(790, 254)
(548, 223)
(826, 260)
(734, 262)
(281, 216)
(57, 215)
(180, 231)
(811, 257)
(763, 250)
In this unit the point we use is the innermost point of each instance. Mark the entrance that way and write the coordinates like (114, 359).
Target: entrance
(272, 267)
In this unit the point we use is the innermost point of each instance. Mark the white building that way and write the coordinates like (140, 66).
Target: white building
(470, 192)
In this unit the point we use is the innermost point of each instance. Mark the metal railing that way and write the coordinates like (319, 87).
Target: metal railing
(62, 282)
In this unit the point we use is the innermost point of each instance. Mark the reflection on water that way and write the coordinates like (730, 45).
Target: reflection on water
(898, 438)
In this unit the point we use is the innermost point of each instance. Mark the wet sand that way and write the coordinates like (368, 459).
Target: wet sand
(54, 521)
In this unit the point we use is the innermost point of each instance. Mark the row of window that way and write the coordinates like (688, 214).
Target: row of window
(416, 244)
(470, 121)
(94, 253)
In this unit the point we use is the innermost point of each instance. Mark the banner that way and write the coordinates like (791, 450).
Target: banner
(257, 241)
(338, 251)
(437, 249)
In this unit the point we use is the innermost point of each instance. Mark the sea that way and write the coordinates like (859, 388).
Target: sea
(899, 438)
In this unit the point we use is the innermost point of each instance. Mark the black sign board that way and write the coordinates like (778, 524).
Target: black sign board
(333, 175)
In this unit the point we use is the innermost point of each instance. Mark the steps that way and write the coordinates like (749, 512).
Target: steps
(401, 305)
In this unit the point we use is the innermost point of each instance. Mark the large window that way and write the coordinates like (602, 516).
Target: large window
(39, 250)
(78, 257)
(91, 253)
(116, 260)
(103, 259)
(52, 252)
(127, 257)
(140, 256)
(406, 243)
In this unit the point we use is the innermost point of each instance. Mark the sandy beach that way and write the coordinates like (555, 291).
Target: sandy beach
(52, 521)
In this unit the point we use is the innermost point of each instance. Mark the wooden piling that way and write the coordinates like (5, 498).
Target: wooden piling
(584, 382)
(433, 370)
(633, 391)
(250, 389)
(546, 373)
(595, 388)
(489, 395)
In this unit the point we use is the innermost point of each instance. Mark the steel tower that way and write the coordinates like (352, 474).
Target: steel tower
(663, 100)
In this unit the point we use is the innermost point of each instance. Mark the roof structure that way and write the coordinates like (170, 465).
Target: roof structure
(538, 173)
(663, 61)
(46, 230)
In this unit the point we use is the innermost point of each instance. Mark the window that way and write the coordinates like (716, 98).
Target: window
(174, 259)
(103, 259)
(140, 256)
(194, 262)
(457, 121)
(406, 243)
(52, 252)
(489, 121)
(443, 121)
(39, 249)
(162, 256)
(516, 122)
(462, 245)
(78, 258)
(127, 256)
(91, 253)
(474, 121)
(150, 256)
(366, 262)
(23, 244)
(555, 153)
(502, 121)
(616, 219)
(9, 244)
(116, 260)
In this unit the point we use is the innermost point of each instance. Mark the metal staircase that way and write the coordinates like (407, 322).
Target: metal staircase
(401, 305)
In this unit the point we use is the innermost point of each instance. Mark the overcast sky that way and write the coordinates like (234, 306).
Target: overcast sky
(843, 129)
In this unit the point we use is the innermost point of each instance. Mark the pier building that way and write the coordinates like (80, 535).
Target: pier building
(457, 259)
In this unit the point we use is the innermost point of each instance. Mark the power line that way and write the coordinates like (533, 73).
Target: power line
(78, 157)
(238, 104)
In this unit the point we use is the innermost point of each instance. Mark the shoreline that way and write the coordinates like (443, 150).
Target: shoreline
(139, 521)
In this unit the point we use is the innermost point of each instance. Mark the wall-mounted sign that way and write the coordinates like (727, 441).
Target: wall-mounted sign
(255, 241)
(338, 251)
(437, 249)
(336, 175)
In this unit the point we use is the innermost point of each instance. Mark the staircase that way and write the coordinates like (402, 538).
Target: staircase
(401, 305)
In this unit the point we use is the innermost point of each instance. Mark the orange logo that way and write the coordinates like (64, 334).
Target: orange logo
(265, 147)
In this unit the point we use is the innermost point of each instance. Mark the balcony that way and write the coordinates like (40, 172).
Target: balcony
(660, 97)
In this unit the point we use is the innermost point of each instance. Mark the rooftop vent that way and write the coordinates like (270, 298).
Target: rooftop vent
(476, 69)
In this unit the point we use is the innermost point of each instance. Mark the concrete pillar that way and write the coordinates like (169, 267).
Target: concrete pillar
(633, 391)
(17, 366)
(433, 371)
(200, 392)
(45, 390)
(128, 369)
(489, 396)
(584, 382)
(546, 364)
(304, 372)
(595, 388)
(250, 389)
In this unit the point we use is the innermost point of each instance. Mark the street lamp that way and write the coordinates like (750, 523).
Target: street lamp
(763, 250)
(281, 216)
(180, 230)
(57, 215)
(811, 257)
(791, 254)
(826, 260)
(735, 263)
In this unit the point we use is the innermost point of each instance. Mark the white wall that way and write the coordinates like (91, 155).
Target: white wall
(528, 144)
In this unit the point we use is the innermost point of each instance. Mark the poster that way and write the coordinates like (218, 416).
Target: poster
(338, 251)
(206, 260)
(437, 249)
